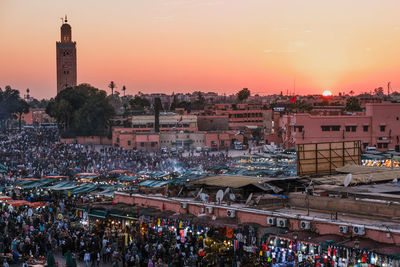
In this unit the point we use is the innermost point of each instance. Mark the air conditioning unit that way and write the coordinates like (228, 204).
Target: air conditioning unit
(209, 210)
(271, 220)
(343, 229)
(230, 213)
(305, 225)
(358, 230)
(280, 222)
(184, 205)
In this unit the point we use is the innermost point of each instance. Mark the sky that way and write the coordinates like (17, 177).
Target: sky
(166, 46)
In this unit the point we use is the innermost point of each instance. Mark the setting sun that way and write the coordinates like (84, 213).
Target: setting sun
(327, 93)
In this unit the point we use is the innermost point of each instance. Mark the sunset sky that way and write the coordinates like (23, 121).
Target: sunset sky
(222, 45)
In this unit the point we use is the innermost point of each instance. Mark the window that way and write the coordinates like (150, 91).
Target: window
(382, 145)
(298, 128)
(117, 139)
(365, 145)
(348, 128)
(397, 118)
(353, 128)
(129, 142)
(383, 127)
(336, 128)
(365, 128)
(142, 144)
(325, 128)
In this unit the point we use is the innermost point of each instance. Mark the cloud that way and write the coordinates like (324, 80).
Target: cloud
(368, 49)
(307, 31)
(268, 51)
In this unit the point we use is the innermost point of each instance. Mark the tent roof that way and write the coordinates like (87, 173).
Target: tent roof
(227, 180)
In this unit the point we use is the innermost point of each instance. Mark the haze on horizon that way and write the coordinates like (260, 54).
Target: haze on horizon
(211, 45)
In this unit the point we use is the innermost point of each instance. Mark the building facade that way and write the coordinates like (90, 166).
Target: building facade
(168, 122)
(184, 140)
(378, 127)
(66, 59)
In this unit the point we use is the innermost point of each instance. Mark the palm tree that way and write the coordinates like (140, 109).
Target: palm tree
(124, 89)
(112, 86)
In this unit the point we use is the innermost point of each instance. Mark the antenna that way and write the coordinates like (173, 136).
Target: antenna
(249, 199)
(180, 191)
(347, 181)
(232, 197)
(294, 86)
(388, 86)
(66, 20)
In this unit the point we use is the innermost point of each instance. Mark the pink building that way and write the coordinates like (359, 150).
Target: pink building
(379, 126)
(128, 139)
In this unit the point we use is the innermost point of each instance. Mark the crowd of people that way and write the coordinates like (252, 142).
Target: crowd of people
(38, 152)
(27, 232)
(56, 227)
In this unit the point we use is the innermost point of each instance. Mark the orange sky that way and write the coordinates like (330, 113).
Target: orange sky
(209, 45)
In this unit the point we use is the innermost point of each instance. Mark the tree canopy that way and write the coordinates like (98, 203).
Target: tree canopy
(81, 111)
(352, 104)
(139, 103)
(11, 104)
(243, 94)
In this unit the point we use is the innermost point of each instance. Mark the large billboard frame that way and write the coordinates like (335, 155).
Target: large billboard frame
(323, 158)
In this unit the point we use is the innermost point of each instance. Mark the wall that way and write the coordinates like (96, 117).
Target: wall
(213, 123)
(330, 204)
(87, 140)
(123, 138)
(247, 215)
(221, 140)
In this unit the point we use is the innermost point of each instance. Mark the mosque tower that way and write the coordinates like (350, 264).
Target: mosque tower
(66, 58)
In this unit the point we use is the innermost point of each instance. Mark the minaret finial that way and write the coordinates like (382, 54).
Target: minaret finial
(66, 20)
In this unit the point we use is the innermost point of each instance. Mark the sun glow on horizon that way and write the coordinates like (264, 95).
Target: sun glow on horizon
(327, 93)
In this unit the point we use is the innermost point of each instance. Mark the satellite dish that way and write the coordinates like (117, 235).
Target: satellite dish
(232, 197)
(249, 199)
(395, 180)
(204, 197)
(199, 193)
(220, 196)
(226, 191)
(347, 181)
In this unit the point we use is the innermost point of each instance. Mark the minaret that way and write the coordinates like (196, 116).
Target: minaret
(66, 58)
